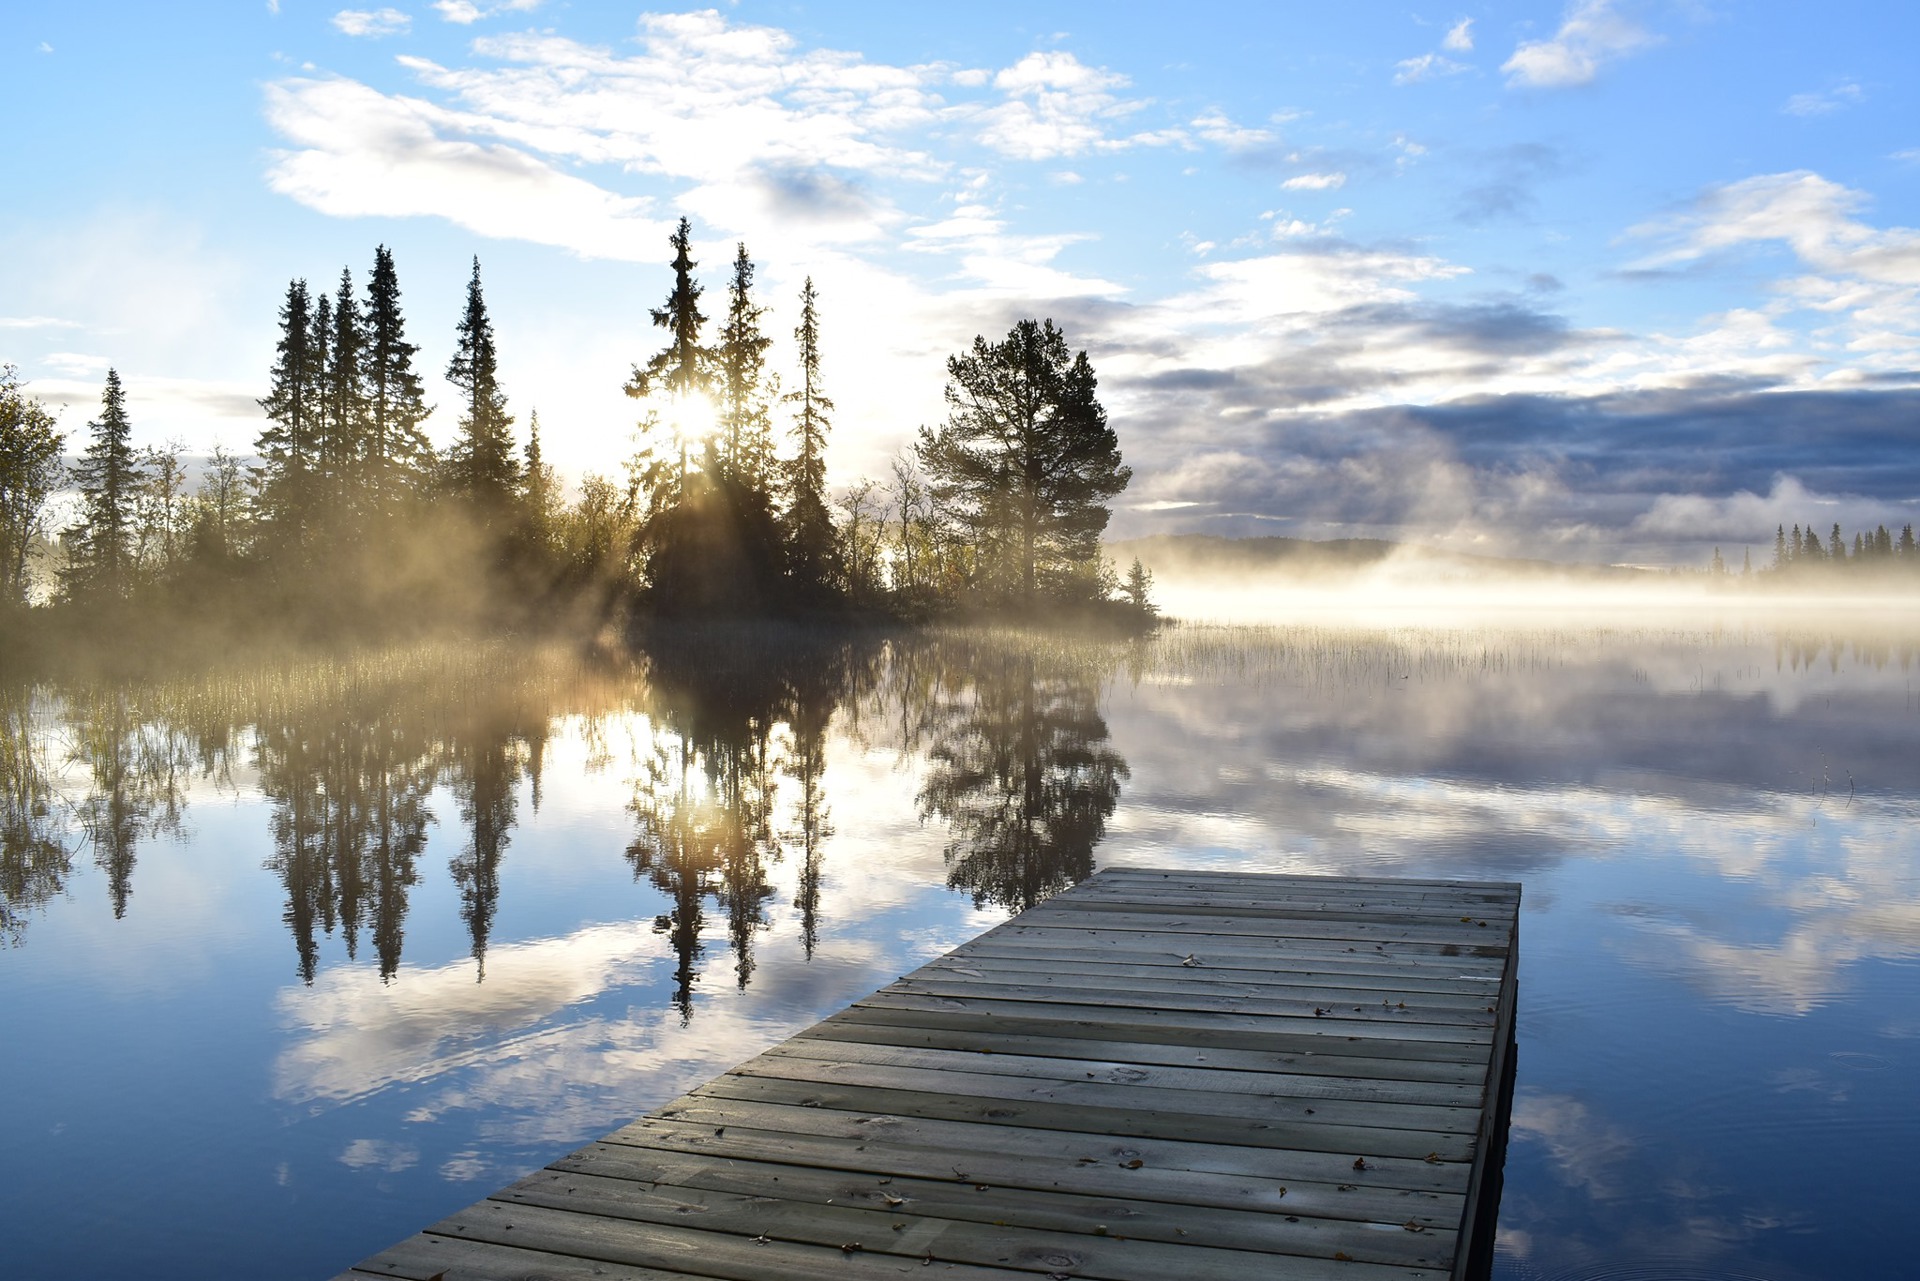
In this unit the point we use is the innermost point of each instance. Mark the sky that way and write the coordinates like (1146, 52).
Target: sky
(1589, 280)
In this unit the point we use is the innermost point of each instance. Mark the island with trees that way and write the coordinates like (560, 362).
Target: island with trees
(347, 519)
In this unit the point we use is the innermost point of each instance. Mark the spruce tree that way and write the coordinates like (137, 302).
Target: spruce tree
(540, 491)
(344, 440)
(481, 466)
(682, 368)
(286, 446)
(809, 523)
(108, 478)
(397, 455)
(742, 376)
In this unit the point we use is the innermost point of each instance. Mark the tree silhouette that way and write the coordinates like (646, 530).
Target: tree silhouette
(396, 454)
(810, 538)
(1027, 462)
(742, 360)
(681, 369)
(293, 408)
(344, 396)
(481, 466)
(107, 477)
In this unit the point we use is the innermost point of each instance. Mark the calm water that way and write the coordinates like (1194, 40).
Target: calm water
(304, 958)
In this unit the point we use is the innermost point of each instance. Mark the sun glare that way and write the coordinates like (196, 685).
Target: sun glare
(694, 417)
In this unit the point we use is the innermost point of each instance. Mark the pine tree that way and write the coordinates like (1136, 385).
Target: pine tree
(681, 369)
(1836, 546)
(1780, 547)
(286, 446)
(809, 524)
(481, 465)
(1027, 462)
(107, 476)
(742, 376)
(397, 455)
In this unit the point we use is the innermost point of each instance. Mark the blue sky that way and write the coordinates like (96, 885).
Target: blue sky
(1608, 279)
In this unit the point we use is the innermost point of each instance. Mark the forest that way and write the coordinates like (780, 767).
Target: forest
(346, 518)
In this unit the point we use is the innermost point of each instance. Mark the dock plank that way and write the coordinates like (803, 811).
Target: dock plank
(1156, 1073)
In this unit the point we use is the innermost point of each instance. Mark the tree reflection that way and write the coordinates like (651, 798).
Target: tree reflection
(35, 861)
(735, 728)
(349, 821)
(1022, 772)
(138, 769)
(735, 712)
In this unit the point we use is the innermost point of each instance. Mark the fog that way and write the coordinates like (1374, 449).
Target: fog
(1409, 587)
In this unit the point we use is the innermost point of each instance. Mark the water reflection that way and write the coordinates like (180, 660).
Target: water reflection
(1021, 771)
(35, 860)
(591, 881)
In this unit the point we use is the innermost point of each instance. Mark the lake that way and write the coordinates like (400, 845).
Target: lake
(303, 956)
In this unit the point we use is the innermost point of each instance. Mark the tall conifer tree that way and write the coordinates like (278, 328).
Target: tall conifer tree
(286, 446)
(397, 454)
(108, 478)
(681, 368)
(481, 465)
(809, 524)
(742, 376)
(346, 394)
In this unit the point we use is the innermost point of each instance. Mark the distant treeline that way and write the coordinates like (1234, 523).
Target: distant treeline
(1799, 553)
(346, 509)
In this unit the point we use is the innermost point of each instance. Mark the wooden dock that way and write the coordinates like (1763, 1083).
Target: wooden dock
(1155, 1076)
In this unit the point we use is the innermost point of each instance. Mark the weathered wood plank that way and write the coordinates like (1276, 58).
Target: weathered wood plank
(1006, 1060)
(887, 1130)
(984, 1033)
(1104, 1092)
(1412, 1040)
(1202, 1075)
(1011, 1157)
(904, 1201)
(1300, 1131)
(1268, 949)
(725, 1218)
(1390, 931)
(1198, 994)
(1472, 990)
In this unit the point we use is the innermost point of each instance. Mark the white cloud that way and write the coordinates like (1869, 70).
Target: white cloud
(1459, 37)
(1808, 213)
(1425, 67)
(1058, 106)
(1846, 94)
(361, 154)
(1315, 182)
(1215, 127)
(45, 47)
(465, 12)
(37, 322)
(1590, 35)
(373, 23)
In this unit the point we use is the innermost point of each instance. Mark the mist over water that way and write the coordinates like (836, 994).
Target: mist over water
(340, 945)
